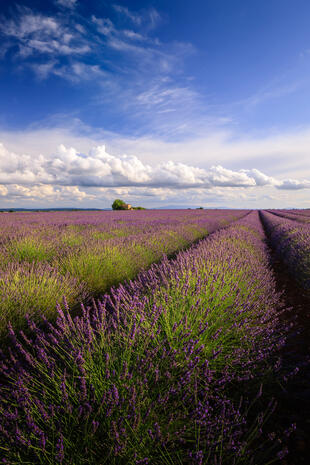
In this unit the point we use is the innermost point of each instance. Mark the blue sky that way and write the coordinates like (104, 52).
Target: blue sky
(209, 100)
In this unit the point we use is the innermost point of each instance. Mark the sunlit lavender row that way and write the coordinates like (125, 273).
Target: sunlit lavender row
(44, 256)
(170, 368)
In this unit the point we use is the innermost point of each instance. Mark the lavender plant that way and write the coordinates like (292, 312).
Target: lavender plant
(36, 289)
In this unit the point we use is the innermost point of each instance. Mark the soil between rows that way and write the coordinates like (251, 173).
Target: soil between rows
(294, 397)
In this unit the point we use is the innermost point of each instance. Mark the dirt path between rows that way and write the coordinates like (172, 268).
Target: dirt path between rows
(294, 397)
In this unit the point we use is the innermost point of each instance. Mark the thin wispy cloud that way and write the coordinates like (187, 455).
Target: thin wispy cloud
(134, 17)
(36, 34)
(104, 25)
(65, 47)
(148, 18)
(134, 35)
(66, 3)
(163, 97)
(276, 89)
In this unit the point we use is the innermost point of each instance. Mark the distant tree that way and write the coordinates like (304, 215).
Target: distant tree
(119, 205)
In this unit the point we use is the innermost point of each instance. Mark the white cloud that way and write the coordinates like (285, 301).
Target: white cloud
(133, 35)
(21, 168)
(261, 179)
(294, 184)
(271, 171)
(3, 190)
(75, 72)
(287, 184)
(162, 96)
(45, 193)
(78, 71)
(52, 47)
(43, 70)
(284, 154)
(29, 23)
(104, 25)
(67, 167)
(150, 18)
(123, 46)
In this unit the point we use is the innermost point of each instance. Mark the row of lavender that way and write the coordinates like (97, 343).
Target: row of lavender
(302, 216)
(166, 369)
(44, 256)
(291, 241)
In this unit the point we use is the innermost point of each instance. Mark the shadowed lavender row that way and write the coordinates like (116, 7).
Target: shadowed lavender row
(166, 369)
(301, 216)
(291, 241)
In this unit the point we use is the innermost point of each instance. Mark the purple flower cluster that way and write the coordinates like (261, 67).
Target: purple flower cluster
(167, 368)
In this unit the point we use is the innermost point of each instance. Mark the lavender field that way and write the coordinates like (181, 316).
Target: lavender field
(81, 255)
(153, 337)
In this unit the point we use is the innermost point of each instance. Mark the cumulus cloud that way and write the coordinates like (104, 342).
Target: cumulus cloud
(70, 169)
(44, 193)
(21, 168)
(294, 184)
(261, 179)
